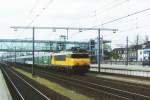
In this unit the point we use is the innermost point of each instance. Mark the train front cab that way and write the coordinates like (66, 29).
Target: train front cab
(80, 62)
(72, 62)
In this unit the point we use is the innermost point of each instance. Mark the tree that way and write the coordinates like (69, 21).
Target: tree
(115, 55)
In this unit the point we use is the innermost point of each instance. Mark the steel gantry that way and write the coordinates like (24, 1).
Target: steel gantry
(64, 28)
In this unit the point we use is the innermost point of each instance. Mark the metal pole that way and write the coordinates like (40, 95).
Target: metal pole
(7, 57)
(67, 34)
(65, 42)
(137, 43)
(149, 58)
(33, 51)
(2, 58)
(15, 54)
(99, 56)
(102, 48)
(127, 52)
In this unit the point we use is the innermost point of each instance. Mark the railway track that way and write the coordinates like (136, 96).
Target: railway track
(20, 88)
(108, 88)
(140, 89)
(120, 93)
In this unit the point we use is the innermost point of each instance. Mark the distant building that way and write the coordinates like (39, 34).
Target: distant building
(132, 53)
(121, 52)
(135, 52)
(143, 53)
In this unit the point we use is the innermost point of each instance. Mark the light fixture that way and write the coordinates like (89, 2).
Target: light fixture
(15, 29)
(115, 30)
(54, 30)
(80, 30)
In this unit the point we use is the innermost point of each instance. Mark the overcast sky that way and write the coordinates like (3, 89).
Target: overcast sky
(75, 13)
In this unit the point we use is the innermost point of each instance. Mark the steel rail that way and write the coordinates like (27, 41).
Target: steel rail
(13, 84)
(39, 92)
(111, 81)
(107, 87)
(97, 90)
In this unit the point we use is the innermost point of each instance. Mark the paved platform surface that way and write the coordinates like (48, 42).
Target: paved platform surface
(126, 67)
(132, 70)
(4, 92)
(124, 79)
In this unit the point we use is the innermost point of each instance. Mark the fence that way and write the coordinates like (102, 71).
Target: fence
(143, 63)
(131, 70)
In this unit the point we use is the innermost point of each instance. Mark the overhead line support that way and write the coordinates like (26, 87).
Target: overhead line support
(67, 28)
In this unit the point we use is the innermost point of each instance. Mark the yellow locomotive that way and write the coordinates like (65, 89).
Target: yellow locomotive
(71, 61)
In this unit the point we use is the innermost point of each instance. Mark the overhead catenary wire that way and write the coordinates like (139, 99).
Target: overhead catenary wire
(37, 15)
(111, 21)
(104, 5)
(139, 27)
(34, 7)
(115, 5)
(96, 26)
(42, 10)
(109, 8)
(117, 19)
(132, 14)
(30, 13)
(132, 29)
(138, 12)
(129, 29)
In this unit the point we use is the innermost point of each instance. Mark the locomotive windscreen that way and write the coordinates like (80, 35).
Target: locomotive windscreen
(79, 56)
(60, 57)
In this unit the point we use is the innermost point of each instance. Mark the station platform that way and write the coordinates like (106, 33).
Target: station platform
(4, 92)
(133, 70)
(123, 79)
(125, 67)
